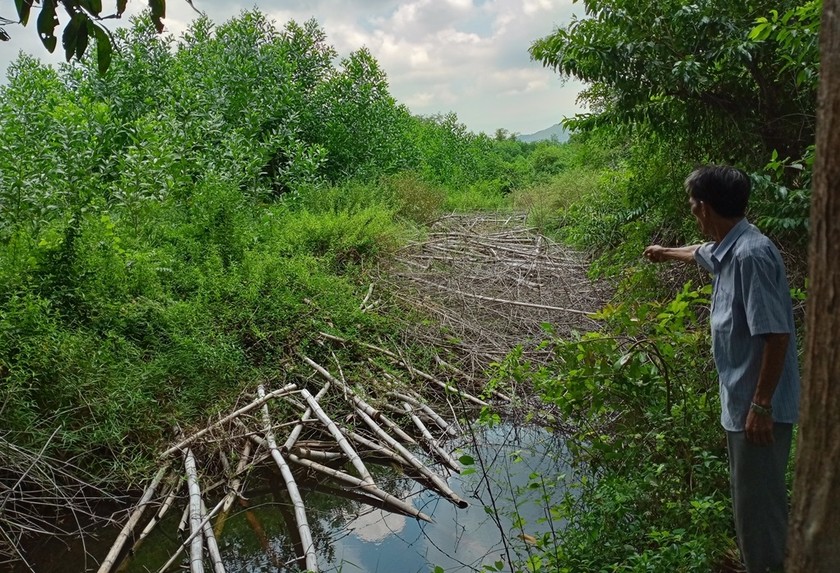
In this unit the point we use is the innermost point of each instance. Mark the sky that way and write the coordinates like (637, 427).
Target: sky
(469, 57)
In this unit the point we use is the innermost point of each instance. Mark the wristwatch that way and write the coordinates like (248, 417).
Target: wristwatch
(766, 411)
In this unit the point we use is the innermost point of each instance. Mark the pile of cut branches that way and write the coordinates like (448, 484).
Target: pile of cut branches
(493, 284)
(335, 432)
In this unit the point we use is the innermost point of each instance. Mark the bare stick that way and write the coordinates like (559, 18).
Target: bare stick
(164, 508)
(255, 404)
(586, 313)
(234, 485)
(367, 296)
(116, 548)
(291, 486)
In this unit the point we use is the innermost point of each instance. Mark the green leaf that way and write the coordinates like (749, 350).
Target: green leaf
(82, 38)
(47, 21)
(158, 13)
(121, 7)
(103, 48)
(467, 460)
(70, 35)
(92, 6)
(23, 8)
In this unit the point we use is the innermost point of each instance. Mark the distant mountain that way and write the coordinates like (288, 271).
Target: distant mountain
(556, 131)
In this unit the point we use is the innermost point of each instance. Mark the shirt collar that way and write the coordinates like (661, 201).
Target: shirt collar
(720, 249)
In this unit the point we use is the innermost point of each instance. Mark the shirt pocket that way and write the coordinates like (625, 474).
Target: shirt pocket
(722, 303)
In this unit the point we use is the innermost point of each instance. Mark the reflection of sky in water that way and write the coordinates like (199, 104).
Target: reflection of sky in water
(460, 539)
(355, 538)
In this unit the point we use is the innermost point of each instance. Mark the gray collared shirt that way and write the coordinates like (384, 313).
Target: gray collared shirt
(750, 298)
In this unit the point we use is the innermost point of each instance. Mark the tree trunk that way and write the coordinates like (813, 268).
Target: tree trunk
(815, 524)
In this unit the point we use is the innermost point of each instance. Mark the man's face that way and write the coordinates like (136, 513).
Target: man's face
(700, 212)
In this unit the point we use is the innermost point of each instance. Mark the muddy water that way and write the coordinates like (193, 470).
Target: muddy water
(351, 537)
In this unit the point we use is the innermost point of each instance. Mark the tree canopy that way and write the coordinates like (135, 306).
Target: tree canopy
(697, 73)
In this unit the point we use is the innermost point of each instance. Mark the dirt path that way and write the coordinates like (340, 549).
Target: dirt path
(492, 282)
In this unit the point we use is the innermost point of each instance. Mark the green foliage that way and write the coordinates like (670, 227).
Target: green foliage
(416, 199)
(641, 398)
(691, 72)
(480, 196)
(172, 230)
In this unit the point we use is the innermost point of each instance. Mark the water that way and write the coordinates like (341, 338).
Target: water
(508, 503)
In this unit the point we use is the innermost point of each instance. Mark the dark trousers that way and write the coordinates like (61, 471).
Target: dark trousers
(759, 497)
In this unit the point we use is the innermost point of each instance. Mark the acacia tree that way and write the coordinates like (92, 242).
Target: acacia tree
(83, 25)
(815, 528)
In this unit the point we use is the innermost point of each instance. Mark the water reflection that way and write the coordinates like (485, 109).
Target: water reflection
(506, 500)
(374, 541)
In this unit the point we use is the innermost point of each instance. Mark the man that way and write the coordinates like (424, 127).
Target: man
(754, 345)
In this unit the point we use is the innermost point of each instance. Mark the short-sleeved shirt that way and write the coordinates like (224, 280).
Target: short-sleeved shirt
(750, 298)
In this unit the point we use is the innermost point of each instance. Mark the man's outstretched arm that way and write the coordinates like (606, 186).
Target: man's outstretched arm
(660, 254)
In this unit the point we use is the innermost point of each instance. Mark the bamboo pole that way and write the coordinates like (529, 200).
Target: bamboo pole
(233, 490)
(212, 546)
(318, 455)
(380, 417)
(378, 448)
(439, 483)
(189, 539)
(255, 404)
(116, 548)
(197, 544)
(156, 519)
(430, 441)
(353, 481)
(291, 486)
(442, 424)
(307, 415)
(339, 437)
(358, 402)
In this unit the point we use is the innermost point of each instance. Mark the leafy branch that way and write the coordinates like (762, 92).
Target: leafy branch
(82, 26)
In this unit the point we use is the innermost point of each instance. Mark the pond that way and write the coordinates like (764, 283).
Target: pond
(508, 506)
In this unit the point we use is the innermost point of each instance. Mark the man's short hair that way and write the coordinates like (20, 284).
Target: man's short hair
(726, 189)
